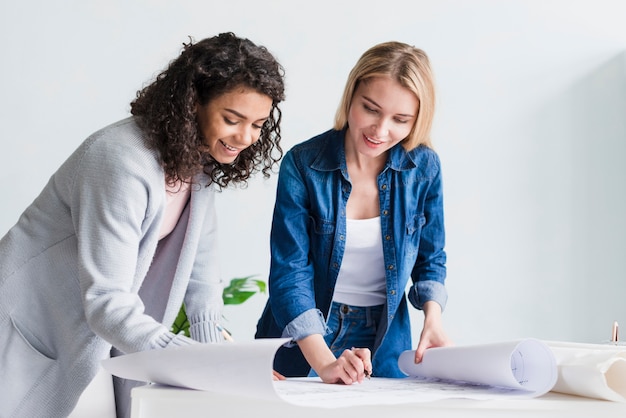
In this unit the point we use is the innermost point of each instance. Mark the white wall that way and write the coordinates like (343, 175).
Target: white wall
(530, 129)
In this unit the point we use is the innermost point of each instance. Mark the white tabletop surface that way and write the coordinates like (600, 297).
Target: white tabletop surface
(156, 401)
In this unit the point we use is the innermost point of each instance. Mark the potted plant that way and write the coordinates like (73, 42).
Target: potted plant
(237, 292)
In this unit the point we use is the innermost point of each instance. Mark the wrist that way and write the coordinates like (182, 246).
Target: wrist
(432, 312)
(316, 352)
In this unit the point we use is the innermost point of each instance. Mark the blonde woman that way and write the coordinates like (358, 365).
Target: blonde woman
(359, 211)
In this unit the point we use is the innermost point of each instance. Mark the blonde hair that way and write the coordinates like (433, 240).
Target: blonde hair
(407, 65)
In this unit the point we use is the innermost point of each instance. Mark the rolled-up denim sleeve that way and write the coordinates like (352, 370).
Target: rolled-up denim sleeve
(427, 290)
(307, 323)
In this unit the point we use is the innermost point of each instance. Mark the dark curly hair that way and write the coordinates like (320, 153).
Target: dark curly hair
(166, 108)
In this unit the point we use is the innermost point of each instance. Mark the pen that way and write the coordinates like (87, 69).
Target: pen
(224, 333)
(367, 373)
(614, 336)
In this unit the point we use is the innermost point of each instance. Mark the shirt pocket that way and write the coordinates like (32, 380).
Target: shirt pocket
(322, 235)
(413, 231)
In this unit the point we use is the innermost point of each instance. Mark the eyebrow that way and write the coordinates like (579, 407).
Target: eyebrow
(407, 115)
(241, 116)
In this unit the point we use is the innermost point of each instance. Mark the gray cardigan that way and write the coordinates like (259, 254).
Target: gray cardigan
(71, 268)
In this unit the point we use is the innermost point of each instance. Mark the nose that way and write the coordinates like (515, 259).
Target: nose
(247, 136)
(381, 127)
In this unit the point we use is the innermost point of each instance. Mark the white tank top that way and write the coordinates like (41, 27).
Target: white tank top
(361, 280)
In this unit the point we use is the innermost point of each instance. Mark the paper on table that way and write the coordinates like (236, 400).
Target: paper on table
(228, 368)
(310, 391)
(528, 366)
(591, 370)
(524, 368)
(244, 369)
(519, 369)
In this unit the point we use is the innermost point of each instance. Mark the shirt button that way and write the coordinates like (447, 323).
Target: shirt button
(390, 267)
(341, 237)
(387, 237)
(385, 212)
(393, 292)
(384, 187)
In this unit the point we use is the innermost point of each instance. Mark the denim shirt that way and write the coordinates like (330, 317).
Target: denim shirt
(308, 242)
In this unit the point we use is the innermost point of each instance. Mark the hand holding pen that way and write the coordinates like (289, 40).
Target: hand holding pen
(367, 370)
(351, 367)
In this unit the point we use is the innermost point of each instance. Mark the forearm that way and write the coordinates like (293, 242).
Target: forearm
(432, 313)
(432, 334)
(316, 352)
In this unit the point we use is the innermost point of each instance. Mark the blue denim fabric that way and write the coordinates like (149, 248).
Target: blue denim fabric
(351, 326)
(308, 242)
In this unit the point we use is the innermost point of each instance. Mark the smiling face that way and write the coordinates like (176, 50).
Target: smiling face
(382, 113)
(232, 122)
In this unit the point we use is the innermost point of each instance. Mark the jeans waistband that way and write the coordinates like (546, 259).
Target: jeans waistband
(367, 313)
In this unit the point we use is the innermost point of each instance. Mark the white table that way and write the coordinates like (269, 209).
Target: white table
(154, 401)
(97, 400)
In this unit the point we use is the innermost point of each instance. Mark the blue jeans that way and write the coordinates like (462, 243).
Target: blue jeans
(351, 326)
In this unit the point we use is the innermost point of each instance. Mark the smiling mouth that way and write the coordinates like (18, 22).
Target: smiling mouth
(371, 140)
(228, 147)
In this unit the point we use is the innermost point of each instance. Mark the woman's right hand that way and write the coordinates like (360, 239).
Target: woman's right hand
(351, 367)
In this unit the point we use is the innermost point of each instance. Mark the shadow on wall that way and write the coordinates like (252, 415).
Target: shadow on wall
(582, 221)
(598, 113)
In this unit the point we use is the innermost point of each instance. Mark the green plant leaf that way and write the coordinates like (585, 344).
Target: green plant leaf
(181, 324)
(241, 289)
(237, 292)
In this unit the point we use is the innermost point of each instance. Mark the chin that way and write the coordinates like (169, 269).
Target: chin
(227, 160)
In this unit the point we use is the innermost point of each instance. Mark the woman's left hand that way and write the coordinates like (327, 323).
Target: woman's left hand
(432, 334)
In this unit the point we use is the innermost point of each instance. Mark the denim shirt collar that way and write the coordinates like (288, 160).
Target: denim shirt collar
(333, 155)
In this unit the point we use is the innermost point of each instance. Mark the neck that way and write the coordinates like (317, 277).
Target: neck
(364, 163)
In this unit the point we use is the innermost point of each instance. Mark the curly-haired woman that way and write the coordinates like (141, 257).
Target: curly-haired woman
(125, 231)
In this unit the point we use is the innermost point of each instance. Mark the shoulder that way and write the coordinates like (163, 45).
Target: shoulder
(118, 139)
(424, 154)
(323, 151)
(115, 161)
(425, 161)
(314, 143)
(117, 149)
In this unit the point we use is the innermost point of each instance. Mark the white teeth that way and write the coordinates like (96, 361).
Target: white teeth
(228, 147)
(372, 141)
